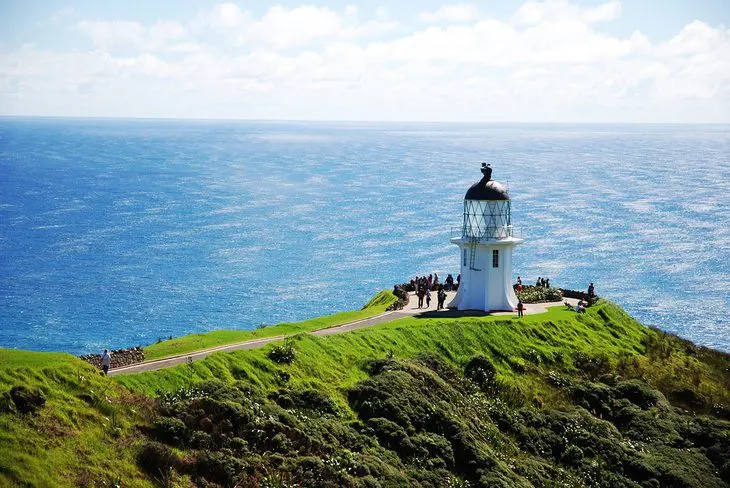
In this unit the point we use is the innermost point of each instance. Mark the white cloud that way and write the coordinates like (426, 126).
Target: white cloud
(450, 13)
(283, 28)
(122, 33)
(536, 12)
(548, 62)
(226, 14)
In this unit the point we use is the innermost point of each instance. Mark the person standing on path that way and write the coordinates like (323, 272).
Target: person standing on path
(106, 360)
(428, 298)
(520, 309)
(441, 298)
(420, 294)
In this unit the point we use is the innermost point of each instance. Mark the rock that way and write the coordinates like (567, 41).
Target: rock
(26, 400)
(119, 357)
(400, 292)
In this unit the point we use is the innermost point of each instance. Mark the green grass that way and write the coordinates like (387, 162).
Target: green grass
(334, 362)
(86, 435)
(73, 440)
(197, 342)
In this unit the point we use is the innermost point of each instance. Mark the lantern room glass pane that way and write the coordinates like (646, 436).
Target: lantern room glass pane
(487, 219)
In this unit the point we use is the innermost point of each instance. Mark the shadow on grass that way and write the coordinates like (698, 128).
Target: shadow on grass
(451, 313)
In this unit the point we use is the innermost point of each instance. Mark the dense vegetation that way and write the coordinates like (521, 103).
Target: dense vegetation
(538, 294)
(557, 399)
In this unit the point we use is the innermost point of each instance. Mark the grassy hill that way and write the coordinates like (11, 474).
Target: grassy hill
(557, 399)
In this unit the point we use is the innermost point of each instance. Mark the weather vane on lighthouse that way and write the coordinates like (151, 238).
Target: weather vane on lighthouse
(487, 171)
(486, 244)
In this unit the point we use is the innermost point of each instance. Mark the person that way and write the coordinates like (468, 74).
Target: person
(580, 307)
(428, 298)
(429, 281)
(591, 291)
(106, 360)
(450, 281)
(547, 282)
(441, 298)
(458, 280)
(538, 282)
(421, 294)
(520, 308)
(519, 281)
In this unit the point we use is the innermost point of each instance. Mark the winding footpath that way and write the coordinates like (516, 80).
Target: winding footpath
(409, 311)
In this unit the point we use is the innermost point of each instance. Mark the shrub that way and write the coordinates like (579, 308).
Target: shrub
(389, 434)
(238, 445)
(283, 353)
(157, 460)
(218, 467)
(558, 380)
(26, 400)
(482, 372)
(592, 366)
(201, 440)
(438, 448)
(572, 456)
(538, 294)
(533, 356)
(639, 393)
(169, 430)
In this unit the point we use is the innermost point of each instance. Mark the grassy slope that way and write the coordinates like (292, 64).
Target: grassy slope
(71, 441)
(196, 342)
(334, 363)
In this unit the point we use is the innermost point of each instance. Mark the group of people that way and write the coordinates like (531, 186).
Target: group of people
(424, 293)
(431, 282)
(541, 282)
(424, 285)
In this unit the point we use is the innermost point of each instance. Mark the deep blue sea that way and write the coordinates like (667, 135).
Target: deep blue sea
(114, 233)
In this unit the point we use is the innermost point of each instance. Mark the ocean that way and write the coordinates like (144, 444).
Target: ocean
(116, 233)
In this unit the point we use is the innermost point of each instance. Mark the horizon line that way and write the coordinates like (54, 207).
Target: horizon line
(346, 121)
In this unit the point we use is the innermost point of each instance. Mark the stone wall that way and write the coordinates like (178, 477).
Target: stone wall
(580, 295)
(119, 358)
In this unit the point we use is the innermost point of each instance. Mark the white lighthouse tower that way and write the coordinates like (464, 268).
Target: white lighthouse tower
(486, 244)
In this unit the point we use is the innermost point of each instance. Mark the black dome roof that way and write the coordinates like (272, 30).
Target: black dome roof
(486, 189)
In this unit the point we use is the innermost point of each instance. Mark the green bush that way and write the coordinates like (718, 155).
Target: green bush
(640, 394)
(201, 440)
(482, 372)
(539, 294)
(592, 365)
(169, 430)
(283, 353)
(217, 467)
(157, 460)
(572, 456)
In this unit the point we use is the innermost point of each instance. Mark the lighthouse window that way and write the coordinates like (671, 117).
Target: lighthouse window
(464, 258)
(495, 258)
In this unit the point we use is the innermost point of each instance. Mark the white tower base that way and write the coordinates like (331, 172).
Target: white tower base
(486, 275)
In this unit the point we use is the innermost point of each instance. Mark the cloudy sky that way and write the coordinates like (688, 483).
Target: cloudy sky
(493, 60)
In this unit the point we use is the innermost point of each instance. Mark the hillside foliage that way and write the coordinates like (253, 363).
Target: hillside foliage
(558, 399)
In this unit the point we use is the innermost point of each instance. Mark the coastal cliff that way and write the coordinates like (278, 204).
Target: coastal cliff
(553, 399)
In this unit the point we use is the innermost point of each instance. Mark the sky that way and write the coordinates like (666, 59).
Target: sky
(489, 61)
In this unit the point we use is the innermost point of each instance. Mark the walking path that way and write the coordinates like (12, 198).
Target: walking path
(410, 310)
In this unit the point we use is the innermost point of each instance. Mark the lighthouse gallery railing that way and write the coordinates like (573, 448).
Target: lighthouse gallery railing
(490, 233)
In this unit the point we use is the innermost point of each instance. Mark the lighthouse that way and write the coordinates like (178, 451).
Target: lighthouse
(485, 246)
